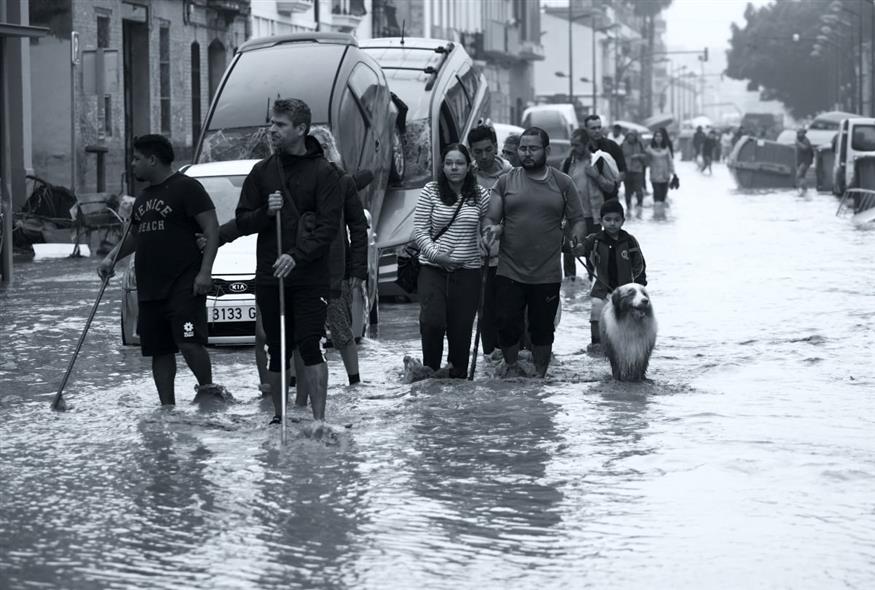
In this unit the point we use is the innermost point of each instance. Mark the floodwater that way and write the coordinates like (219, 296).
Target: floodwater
(747, 462)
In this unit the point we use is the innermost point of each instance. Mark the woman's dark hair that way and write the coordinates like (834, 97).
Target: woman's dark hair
(666, 141)
(469, 185)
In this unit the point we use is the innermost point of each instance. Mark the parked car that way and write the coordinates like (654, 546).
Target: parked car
(346, 90)
(559, 121)
(231, 303)
(445, 96)
(503, 130)
(856, 139)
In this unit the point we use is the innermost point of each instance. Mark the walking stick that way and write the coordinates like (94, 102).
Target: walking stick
(58, 404)
(479, 318)
(284, 387)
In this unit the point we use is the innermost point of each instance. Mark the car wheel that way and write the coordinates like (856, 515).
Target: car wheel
(398, 167)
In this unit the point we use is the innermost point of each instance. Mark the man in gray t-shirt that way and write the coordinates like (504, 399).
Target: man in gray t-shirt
(526, 211)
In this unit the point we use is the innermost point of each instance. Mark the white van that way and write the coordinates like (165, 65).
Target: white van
(559, 121)
(856, 138)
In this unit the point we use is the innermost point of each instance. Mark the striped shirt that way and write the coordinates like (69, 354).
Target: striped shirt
(462, 240)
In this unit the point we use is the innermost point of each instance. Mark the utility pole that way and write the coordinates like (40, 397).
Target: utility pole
(570, 58)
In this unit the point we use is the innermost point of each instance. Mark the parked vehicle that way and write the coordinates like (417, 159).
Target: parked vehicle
(345, 89)
(760, 163)
(503, 130)
(559, 121)
(855, 139)
(445, 96)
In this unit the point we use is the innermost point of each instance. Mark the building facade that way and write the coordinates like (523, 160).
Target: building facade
(502, 36)
(111, 70)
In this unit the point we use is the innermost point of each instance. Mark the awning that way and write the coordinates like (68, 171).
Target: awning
(13, 30)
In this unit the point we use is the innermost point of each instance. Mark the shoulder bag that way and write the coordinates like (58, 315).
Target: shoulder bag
(408, 262)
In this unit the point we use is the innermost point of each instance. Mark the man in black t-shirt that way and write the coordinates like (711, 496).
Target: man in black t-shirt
(593, 125)
(173, 276)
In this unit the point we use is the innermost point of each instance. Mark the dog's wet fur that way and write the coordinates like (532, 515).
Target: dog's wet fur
(628, 332)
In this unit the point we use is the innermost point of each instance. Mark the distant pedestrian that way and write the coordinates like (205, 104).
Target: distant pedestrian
(636, 159)
(489, 168)
(804, 158)
(660, 159)
(448, 219)
(698, 143)
(709, 147)
(617, 135)
(526, 210)
(614, 258)
(310, 212)
(173, 275)
(598, 141)
(509, 149)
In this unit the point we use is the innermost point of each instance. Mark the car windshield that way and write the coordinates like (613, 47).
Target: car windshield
(863, 139)
(824, 125)
(237, 127)
(410, 86)
(225, 192)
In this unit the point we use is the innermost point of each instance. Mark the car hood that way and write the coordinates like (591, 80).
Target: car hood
(237, 257)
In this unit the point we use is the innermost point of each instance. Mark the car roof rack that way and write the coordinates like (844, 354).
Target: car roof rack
(312, 37)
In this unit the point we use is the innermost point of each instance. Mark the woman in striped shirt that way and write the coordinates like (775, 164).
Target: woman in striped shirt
(449, 278)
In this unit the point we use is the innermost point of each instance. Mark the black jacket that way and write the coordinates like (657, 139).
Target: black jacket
(314, 185)
(349, 256)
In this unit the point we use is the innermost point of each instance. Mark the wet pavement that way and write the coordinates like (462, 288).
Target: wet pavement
(747, 462)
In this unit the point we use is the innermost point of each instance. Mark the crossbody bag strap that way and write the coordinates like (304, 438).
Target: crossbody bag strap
(447, 226)
(284, 189)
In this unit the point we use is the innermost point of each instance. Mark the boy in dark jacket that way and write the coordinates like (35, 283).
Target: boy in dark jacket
(614, 258)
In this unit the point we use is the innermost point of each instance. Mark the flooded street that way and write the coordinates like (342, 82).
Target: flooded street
(747, 462)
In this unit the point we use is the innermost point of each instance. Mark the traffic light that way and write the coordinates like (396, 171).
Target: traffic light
(705, 54)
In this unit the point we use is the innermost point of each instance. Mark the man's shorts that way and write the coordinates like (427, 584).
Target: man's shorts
(179, 319)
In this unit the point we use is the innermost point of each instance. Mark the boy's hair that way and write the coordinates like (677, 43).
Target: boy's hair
(612, 206)
(295, 109)
(537, 131)
(155, 145)
(480, 133)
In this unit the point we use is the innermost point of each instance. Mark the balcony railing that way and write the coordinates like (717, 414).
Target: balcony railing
(347, 14)
(293, 6)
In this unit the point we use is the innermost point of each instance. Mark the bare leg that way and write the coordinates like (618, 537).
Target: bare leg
(315, 379)
(198, 360)
(541, 355)
(164, 373)
(301, 387)
(350, 356)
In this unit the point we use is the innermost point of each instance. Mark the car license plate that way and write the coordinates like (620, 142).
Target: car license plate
(231, 313)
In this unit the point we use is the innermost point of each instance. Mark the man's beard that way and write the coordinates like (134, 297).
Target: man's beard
(536, 165)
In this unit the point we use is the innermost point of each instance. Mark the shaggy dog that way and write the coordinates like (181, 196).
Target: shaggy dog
(628, 331)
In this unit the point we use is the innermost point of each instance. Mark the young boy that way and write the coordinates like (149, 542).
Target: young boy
(615, 258)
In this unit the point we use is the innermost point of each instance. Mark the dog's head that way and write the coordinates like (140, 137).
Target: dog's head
(631, 299)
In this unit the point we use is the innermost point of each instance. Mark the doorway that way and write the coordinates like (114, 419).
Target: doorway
(135, 42)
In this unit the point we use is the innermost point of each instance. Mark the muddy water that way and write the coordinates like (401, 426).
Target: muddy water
(748, 462)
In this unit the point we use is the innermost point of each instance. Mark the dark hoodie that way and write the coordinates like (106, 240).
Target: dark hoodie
(314, 185)
(616, 262)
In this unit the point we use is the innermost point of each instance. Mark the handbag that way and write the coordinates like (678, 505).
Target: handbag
(306, 220)
(407, 275)
(674, 182)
